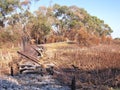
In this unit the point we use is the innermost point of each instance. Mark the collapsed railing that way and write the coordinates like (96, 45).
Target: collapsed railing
(33, 53)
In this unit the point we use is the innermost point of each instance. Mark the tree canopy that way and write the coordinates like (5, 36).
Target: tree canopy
(46, 20)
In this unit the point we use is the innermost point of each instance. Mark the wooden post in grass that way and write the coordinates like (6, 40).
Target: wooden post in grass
(73, 83)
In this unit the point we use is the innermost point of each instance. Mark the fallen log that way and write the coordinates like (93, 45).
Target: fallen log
(29, 57)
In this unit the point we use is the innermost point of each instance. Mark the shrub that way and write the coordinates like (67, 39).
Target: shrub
(7, 37)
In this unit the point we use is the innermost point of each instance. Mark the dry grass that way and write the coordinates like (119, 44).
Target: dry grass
(98, 65)
(7, 57)
(102, 56)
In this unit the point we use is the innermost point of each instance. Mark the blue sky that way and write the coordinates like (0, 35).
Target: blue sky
(107, 10)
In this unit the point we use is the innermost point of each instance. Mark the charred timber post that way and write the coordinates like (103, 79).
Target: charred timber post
(73, 83)
(50, 70)
(11, 71)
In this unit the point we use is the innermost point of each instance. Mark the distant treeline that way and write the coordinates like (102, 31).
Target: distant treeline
(51, 24)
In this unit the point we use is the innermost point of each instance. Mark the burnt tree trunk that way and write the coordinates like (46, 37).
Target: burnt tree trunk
(25, 40)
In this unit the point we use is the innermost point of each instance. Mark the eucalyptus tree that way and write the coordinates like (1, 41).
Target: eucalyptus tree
(69, 17)
(7, 7)
(96, 25)
(73, 17)
(40, 28)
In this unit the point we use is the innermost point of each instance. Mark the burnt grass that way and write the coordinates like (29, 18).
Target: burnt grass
(94, 68)
(94, 78)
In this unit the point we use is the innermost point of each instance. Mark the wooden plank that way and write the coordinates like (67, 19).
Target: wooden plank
(29, 57)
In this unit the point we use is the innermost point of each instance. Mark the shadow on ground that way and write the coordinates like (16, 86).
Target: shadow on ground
(91, 80)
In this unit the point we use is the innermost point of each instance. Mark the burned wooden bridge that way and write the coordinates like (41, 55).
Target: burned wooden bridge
(30, 56)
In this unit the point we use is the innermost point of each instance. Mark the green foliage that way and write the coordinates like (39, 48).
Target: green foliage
(75, 24)
(7, 6)
(62, 19)
(74, 17)
(40, 28)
